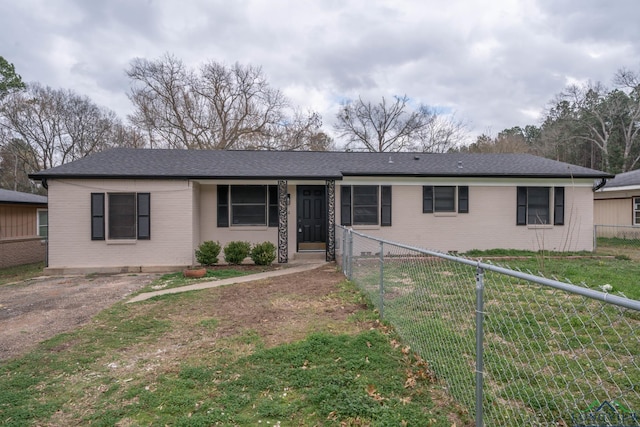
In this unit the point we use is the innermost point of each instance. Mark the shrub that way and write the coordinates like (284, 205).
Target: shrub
(207, 253)
(263, 253)
(236, 252)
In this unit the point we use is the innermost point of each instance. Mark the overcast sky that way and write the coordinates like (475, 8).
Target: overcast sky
(494, 63)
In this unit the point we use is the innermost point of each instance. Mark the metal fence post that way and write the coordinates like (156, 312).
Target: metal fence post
(595, 237)
(381, 280)
(479, 343)
(344, 251)
(350, 256)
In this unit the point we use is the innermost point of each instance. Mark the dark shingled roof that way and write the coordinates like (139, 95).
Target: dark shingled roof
(203, 164)
(8, 196)
(624, 179)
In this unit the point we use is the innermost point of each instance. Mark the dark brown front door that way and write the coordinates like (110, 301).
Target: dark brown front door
(312, 217)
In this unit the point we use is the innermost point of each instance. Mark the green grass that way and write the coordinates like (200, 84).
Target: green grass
(544, 349)
(577, 268)
(618, 242)
(109, 373)
(20, 273)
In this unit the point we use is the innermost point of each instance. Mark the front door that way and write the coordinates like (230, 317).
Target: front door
(312, 219)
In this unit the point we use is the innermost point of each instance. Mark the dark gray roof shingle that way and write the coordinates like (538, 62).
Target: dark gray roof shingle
(624, 179)
(194, 164)
(8, 196)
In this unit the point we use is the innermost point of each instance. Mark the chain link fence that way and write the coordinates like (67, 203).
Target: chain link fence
(511, 348)
(617, 240)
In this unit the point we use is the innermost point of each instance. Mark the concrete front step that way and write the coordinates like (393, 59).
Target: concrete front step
(309, 256)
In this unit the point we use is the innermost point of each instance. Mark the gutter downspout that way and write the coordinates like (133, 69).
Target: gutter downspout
(599, 185)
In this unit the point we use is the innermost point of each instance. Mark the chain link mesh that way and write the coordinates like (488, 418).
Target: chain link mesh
(551, 358)
(617, 239)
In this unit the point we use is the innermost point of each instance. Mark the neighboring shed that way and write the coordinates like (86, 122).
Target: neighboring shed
(143, 210)
(617, 206)
(23, 228)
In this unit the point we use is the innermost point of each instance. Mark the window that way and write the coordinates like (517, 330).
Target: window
(443, 199)
(129, 216)
(122, 216)
(636, 211)
(534, 205)
(247, 205)
(366, 205)
(43, 223)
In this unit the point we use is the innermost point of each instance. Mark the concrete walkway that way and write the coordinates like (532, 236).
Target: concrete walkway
(242, 279)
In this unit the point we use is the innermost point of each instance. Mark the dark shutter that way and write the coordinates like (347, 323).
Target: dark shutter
(273, 206)
(385, 206)
(345, 205)
(144, 216)
(223, 205)
(97, 216)
(521, 218)
(558, 206)
(463, 199)
(427, 199)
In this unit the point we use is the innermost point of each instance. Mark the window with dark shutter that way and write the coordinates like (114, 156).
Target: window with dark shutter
(385, 206)
(223, 205)
(558, 206)
(365, 205)
(248, 205)
(538, 205)
(463, 199)
(427, 199)
(444, 199)
(144, 216)
(97, 216)
(122, 216)
(345, 205)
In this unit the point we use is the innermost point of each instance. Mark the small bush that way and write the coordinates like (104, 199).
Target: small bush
(236, 252)
(207, 253)
(263, 253)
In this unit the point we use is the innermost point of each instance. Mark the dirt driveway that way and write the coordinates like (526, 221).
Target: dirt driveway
(41, 308)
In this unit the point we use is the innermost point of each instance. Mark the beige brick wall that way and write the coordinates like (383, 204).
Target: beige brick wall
(70, 244)
(21, 251)
(490, 223)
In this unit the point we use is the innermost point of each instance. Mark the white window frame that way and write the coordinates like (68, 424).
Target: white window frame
(38, 224)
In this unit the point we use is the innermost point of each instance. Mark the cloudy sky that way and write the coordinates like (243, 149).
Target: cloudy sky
(494, 63)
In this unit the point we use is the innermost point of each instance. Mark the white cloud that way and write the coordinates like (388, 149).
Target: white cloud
(495, 63)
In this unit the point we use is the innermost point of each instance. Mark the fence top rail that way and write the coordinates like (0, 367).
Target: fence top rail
(567, 287)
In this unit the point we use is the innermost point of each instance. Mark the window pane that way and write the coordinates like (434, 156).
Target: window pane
(365, 195)
(248, 194)
(249, 205)
(636, 211)
(122, 216)
(444, 199)
(43, 223)
(365, 204)
(365, 215)
(248, 215)
(538, 205)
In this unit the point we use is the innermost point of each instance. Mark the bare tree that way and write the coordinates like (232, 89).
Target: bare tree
(216, 107)
(596, 126)
(395, 126)
(57, 125)
(443, 134)
(302, 132)
(629, 115)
